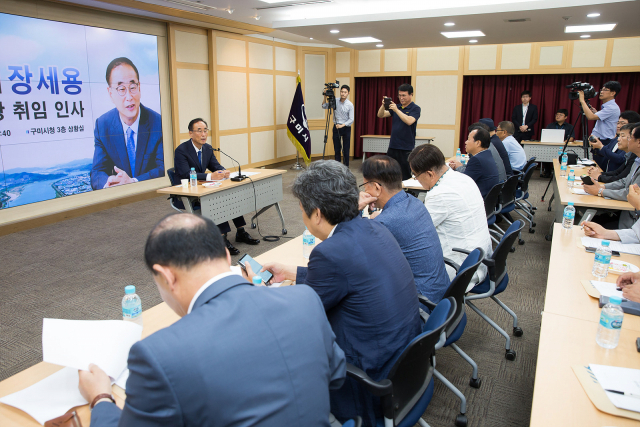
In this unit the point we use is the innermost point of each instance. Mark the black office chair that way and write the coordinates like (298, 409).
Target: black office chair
(176, 201)
(508, 202)
(407, 390)
(529, 163)
(492, 207)
(522, 194)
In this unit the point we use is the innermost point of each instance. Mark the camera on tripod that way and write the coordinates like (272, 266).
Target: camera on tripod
(589, 91)
(331, 96)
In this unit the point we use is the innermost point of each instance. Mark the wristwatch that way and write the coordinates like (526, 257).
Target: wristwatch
(600, 191)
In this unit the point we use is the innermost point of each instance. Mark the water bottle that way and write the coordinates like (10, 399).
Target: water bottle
(563, 166)
(463, 160)
(602, 260)
(257, 281)
(131, 306)
(610, 323)
(193, 177)
(569, 216)
(458, 155)
(308, 242)
(571, 178)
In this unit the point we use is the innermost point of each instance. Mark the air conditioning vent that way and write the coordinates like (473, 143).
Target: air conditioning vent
(299, 3)
(518, 20)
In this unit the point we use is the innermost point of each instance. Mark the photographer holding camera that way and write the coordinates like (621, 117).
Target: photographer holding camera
(342, 121)
(607, 117)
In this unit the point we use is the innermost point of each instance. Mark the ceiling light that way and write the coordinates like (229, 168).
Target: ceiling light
(360, 40)
(230, 11)
(588, 28)
(593, 15)
(257, 17)
(379, 45)
(473, 41)
(310, 38)
(334, 31)
(449, 24)
(585, 36)
(458, 34)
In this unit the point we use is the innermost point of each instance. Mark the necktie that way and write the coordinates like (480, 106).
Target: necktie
(131, 151)
(200, 157)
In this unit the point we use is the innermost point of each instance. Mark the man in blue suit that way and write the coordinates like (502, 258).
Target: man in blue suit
(481, 166)
(241, 355)
(128, 139)
(362, 277)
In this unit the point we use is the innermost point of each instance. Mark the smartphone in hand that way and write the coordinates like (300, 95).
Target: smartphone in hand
(256, 267)
(587, 180)
(387, 103)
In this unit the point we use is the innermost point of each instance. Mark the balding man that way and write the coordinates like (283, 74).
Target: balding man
(241, 355)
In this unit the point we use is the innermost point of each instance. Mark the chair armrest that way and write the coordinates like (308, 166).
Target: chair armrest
(426, 301)
(452, 264)
(463, 251)
(486, 261)
(381, 388)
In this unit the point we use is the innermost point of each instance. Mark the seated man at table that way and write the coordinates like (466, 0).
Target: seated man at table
(610, 156)
(623, 143)
(455, 205)
(517, 156)
(497, 143)
(481, 166)
(240, 355)
(196, 153)
(560, 123)
(630, 284)
(627, 235)
(362, 277)
(495, 153)
(409, 222)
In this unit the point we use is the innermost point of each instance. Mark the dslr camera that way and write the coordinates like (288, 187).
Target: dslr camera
(328, 92)
(589, 91)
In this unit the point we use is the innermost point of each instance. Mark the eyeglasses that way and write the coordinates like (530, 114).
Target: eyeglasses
(500, 130)
(200, 131)
(368, 182)
(122, 89)
(604, 88)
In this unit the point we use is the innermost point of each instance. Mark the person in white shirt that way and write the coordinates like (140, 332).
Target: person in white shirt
(342, 121)
(455, 205)
(517, 156)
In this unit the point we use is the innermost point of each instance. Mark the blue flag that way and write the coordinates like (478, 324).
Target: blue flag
(297, 126)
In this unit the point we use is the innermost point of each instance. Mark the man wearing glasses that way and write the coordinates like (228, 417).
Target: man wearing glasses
(196, 153)
(128, 139)
(607, 117)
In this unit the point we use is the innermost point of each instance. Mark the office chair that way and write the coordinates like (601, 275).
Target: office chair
(454, 330)
(496, 282)
(176, 201)
(492, 207)
(529, 163)
(357, 422)
(508, 202)
(522, 194)
(407, 390)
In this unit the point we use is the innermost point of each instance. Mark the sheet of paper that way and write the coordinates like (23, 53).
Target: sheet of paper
(121, 381)
(621, 379)
(579, 191)
(49, 398)
(234, 174)
(411, 183)
(77, 343)
(625, 248)
(607, 289)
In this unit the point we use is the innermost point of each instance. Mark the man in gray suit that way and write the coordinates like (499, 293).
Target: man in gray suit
(241, 355)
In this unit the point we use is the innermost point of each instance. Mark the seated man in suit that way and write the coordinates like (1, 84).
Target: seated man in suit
(610, 156)
(560, 123)
(240, 355)
(481, 166)
(524, 117)
(497, 143)
(362, 277)
(128, 139)
(517, 156)
(409, 222)
(196, 153)
(627, 235)
(623, 143)
(495, 153)
(455, 205)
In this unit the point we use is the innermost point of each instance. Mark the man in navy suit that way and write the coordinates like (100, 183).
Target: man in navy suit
(524, 117)
(196, 153)
(481, 166)
(241, 355)
(128, 139)
(362, 277)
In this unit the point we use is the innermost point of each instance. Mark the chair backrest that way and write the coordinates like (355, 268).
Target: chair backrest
(412, 372)
(508, 193)
(491, 199)
(500, 253)
(172, 176)
(529, 163)
(524, 182)
(458, 287)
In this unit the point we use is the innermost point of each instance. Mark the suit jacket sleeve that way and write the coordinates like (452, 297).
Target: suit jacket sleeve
(534, 116)
(213, 165)
(323, 277)
(102, 165)
(474, 169)
(181, 163)
(619, 173)
(158, 158)
(515, 117)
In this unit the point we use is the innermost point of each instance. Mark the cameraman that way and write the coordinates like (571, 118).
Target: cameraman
(342, 121)
(607, 117)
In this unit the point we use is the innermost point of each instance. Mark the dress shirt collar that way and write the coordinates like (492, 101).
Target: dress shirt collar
(196, 148)
(134, 126)
(206, 285)
(332, 230)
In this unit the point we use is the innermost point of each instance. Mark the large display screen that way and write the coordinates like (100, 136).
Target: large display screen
(79, 109)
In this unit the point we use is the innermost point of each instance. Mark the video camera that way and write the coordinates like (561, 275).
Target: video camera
(589, 91)
(331, 96)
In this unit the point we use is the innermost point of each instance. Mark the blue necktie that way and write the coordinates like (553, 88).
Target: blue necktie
(131, 150)
(200, 157)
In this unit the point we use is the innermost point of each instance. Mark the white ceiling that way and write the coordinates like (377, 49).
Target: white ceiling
(418, 23)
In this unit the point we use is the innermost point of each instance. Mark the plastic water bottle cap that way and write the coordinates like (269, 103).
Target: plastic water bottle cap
(605, 243)
(193, 169)
(570, 203)
(571, 170)
(615, 300)
(257, 280)
(130, 289)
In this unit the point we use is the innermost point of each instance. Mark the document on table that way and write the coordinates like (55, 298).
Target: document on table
(620, 379)
(586, 162)
(607, 289)
(121, 381)
(77, 343)
(49, 398)
(625, 248)
(411, 183)
(579, 191)
(234, 174)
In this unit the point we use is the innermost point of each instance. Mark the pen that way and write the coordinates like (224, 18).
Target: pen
(624, 393)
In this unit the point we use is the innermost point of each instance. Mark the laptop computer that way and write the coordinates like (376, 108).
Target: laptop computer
(552, 135)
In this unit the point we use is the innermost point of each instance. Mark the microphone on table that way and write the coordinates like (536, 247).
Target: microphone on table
(240, 177)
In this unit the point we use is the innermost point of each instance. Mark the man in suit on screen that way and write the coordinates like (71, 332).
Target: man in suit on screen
(128, 138)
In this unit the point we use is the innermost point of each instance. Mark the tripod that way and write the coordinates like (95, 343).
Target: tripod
(326, 127)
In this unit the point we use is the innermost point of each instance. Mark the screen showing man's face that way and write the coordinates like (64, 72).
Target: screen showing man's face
(124, 91)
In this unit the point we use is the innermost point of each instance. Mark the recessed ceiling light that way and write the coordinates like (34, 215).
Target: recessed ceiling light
(458, 34)
(257, 17)
(589, 28)
(473, 41)
(593, 15)
(334, 31)
(585, 36)
(449, 24)
(310, 38)
(379, 45)
(360, 40)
